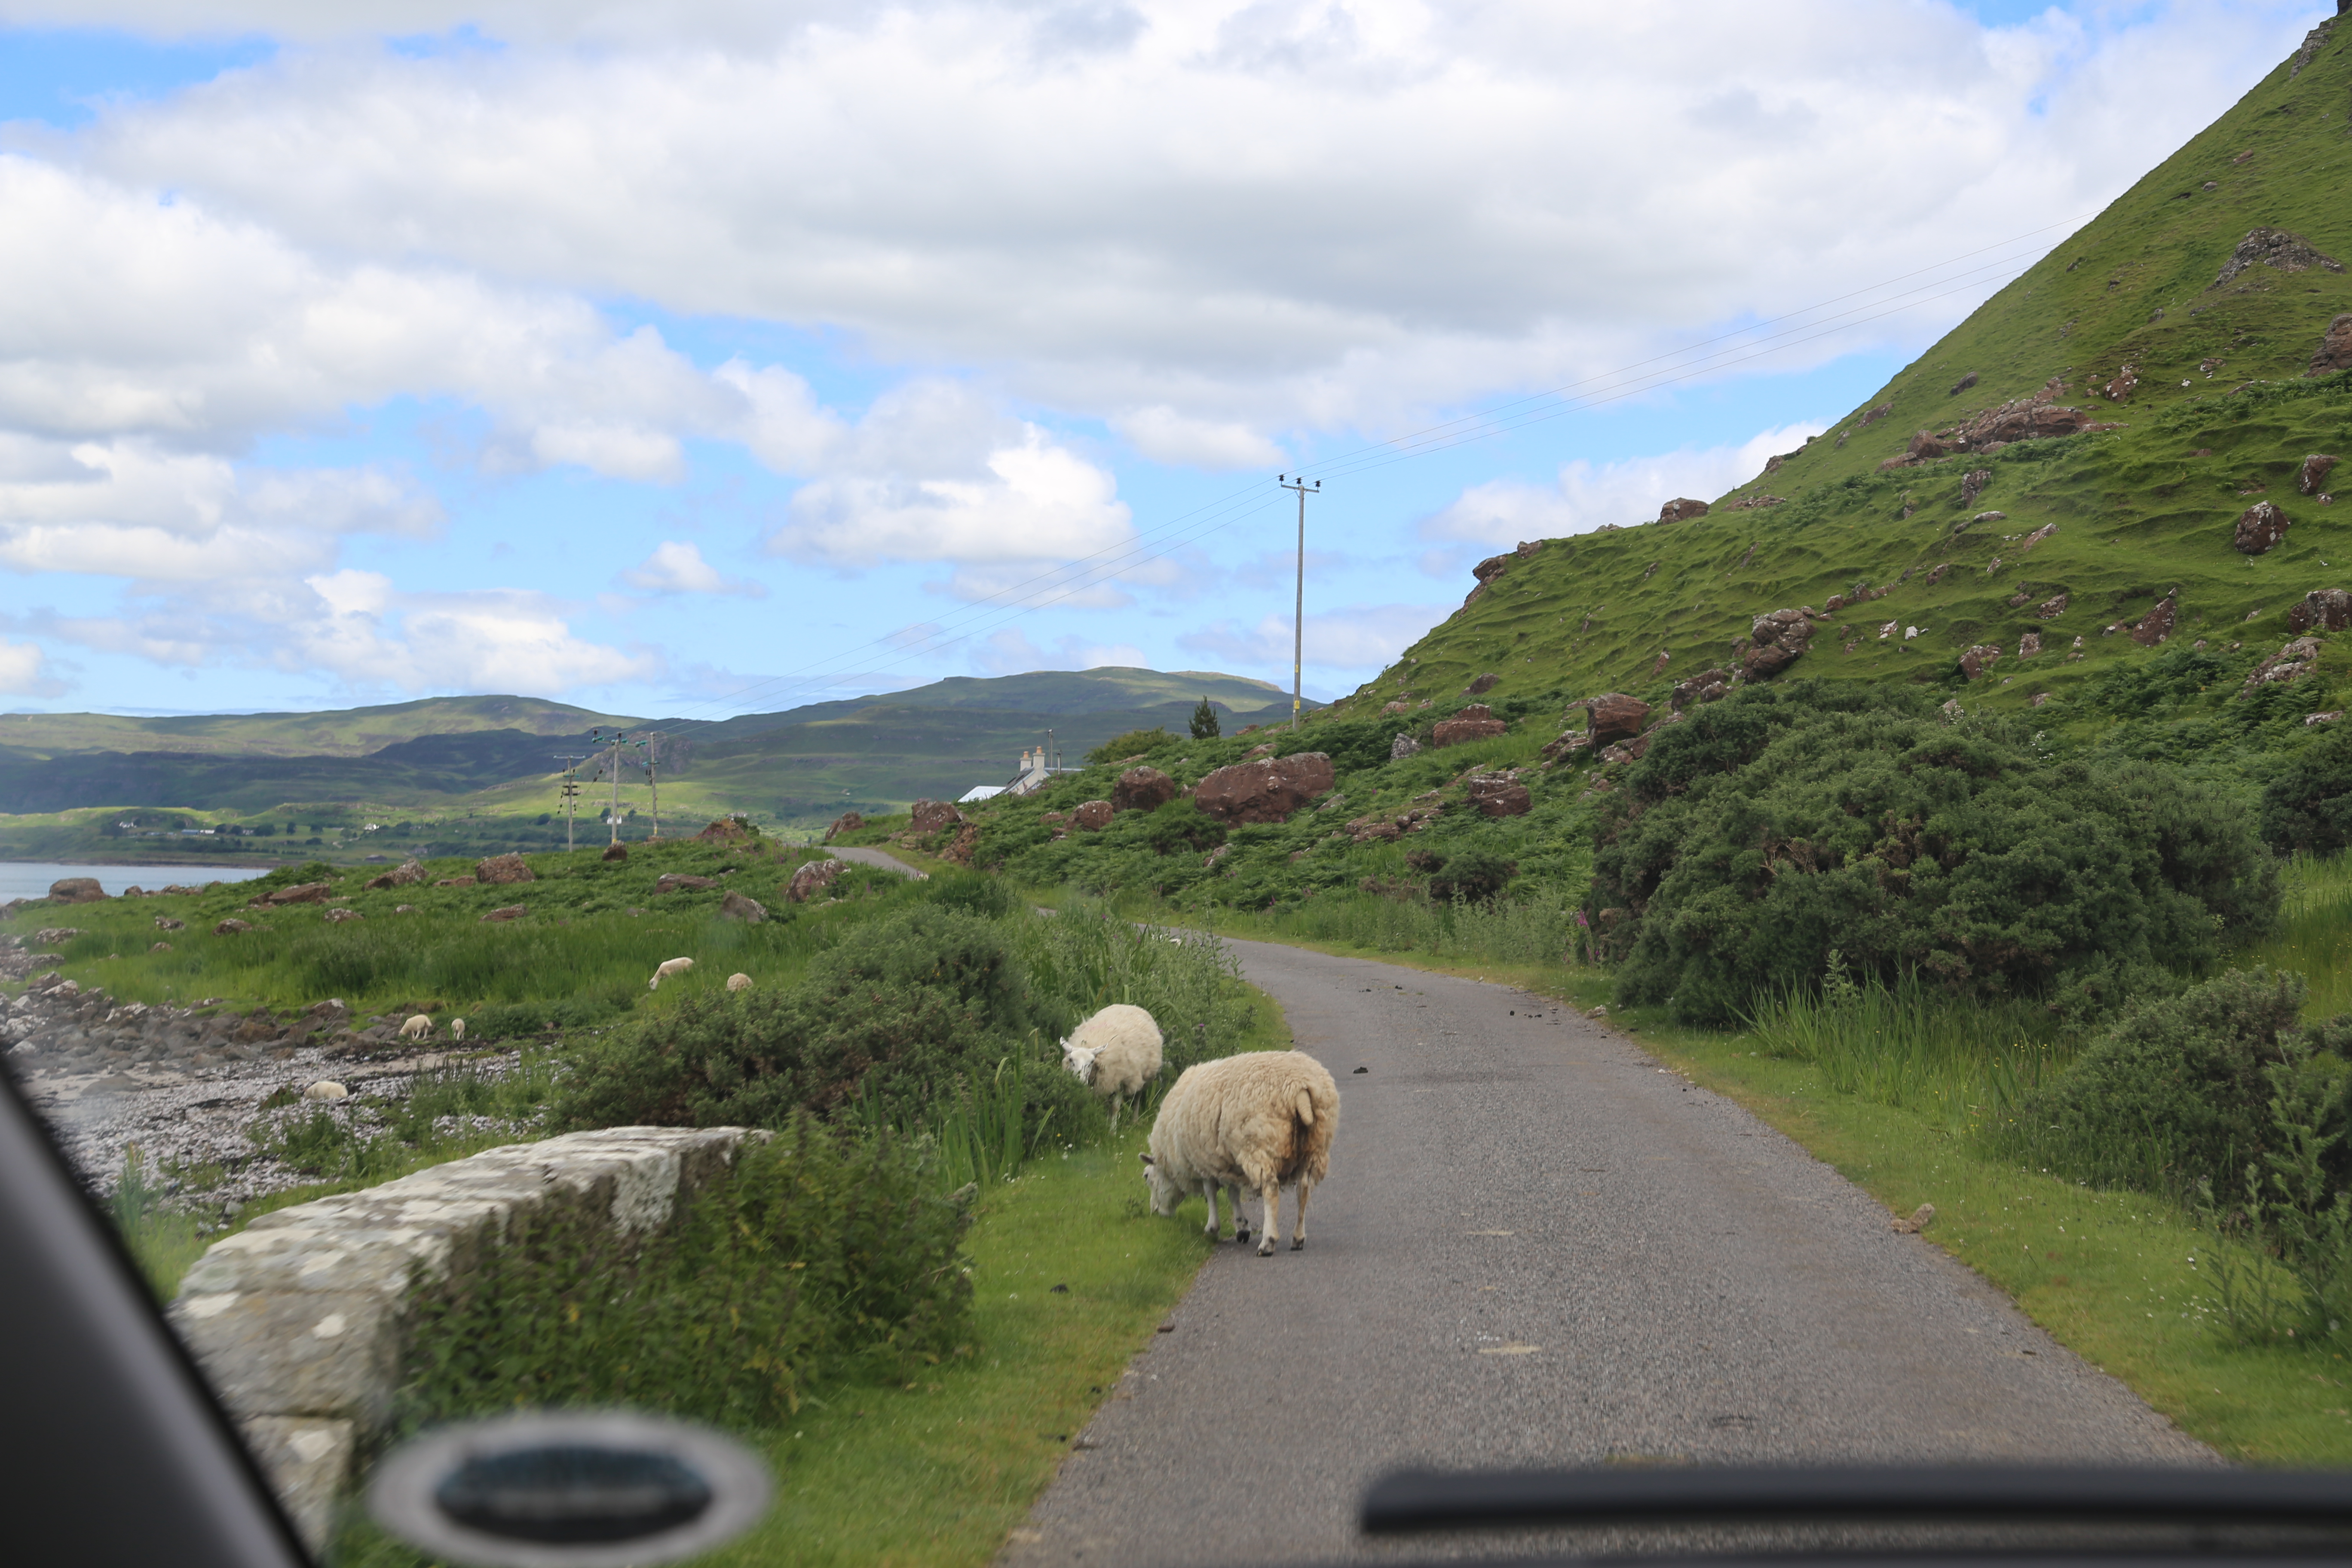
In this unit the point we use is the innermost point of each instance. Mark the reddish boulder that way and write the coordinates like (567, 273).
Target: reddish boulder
(1616, 716)
(1979, 659)
(499, 869)
(400, 876)
(1923, 448)
(930, 816)
(2051, 609)
(1267, 790)
(1476, 723)
(1706, 686)
(2156, 625)
(1091, 817)
(299, 893)
(1568, 745)
(2329, 609)
(511, 912)
(1483, 685)
(1678, 509)
(615, 852)
(679, 881)
(2313, 478)
(2029, 645)
(337, 916)
(1778, 640)
(2036, 537)
(2260, 527)
(742, 906)
(729, 830)
(967, 839)
(230, 927)
(2335, 350)
(848, 821)
(812, 879)
(2276, 249)
(1499, 795)
(1142, 789)
(80, 890)
(1972, 485)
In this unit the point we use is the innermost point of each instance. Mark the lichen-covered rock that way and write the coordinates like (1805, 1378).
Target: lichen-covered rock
(615, 852)
(2156, 625)
(165, 922)
(1706, 686)
(2299, 657)
(400, 876)
(928, 817)
(1972, 485)
(742, 906)
(1266, 790)
(2278, 249)
(1142, 789)
(1476, 723)
(2311, 480)
(680, 882)
(957, 851)
(2335, 350)
(729, 830)
(1091, 816)
(1402, 747)
(2029, 645)
(76, 890)
(230, 927)
(1568, 745)
(2258, 528)
(1499, 795)
(2051, 609)
(1682, 507)
(498, 871)
(2325, 609)
(1614, 716)
(299, 893)
(1979, 659)
(1483, 684)
(848, 821)
(455, 882)
(1777, 640)
(813, 879)
(509, 912)
(338, 916)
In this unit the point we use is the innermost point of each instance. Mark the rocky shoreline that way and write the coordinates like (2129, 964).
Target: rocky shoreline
(184, 1084)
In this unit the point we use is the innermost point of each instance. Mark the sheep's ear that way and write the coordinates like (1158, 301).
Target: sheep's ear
(1145, 1158)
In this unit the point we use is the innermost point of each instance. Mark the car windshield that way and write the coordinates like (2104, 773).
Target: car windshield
(670, 875)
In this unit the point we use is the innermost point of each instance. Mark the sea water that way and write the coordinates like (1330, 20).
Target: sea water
(31, 878)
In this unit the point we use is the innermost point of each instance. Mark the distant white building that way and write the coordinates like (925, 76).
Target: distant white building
(1035, 771)
(980, 792)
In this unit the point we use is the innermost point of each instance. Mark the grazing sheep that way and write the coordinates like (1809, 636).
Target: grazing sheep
(326, 1088)
(417, 1028)
(1263, 1120)
(1115, 1053)
(675, 966)
(457, 1030)
(739, 982)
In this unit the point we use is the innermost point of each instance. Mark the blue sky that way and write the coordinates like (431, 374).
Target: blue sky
(685, 362)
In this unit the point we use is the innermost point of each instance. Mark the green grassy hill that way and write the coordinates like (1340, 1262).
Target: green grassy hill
(2190, 403)
(2220, 415)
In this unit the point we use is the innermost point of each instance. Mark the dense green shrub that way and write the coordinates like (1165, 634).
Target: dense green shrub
(1134, 743)
(824, 1251)
(1772, 827)
(1181, 827)
(1471, 875)
(897, 1013)
(2307, 807)
(2179, 1092)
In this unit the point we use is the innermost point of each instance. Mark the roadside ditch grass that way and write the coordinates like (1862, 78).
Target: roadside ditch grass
(2109, 1274)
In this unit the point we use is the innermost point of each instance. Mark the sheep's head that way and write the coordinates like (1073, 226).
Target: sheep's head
(1081, 1059)
(1166, 1192)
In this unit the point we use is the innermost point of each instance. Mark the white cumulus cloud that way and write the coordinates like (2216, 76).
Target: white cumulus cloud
(677, 567)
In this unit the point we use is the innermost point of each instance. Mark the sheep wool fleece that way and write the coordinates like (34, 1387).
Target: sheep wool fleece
(1265, 1120)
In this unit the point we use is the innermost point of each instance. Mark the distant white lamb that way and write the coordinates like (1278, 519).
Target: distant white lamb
(673, 966)
(739, 982)
(457, 1030)
(1115, 1053)
(417, 1028)
(1263, 1119)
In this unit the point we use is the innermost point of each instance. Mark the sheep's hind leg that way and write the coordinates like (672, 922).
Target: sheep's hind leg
(1299, 1237)
(1272, 1193)
(1241, 1220)
(1209, 1191)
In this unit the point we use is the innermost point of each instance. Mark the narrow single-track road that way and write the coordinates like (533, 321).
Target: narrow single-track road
(1538, 1246)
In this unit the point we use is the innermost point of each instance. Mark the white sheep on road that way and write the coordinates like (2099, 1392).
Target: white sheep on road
(673, 967)
(1263, 1120)
(1115, 1053)
(417, 1028)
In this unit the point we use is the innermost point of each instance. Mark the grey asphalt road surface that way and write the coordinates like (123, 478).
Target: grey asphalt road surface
(1539, 1247)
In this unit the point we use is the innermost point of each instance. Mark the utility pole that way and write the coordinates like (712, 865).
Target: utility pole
(1298, 608)
(570, 795)
(613, 817)
(651, 741)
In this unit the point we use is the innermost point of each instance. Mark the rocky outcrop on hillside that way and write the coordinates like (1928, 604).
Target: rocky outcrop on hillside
(1682, 507)
(1977, 660)
(848, 821)
(2311, 480)
(1476, 723)
(1745, 503)
(2299, 657)
(1493, 566)
(1776, 640)
(2019, 419)
(497, 870)
(2276, 249)
(2324, 610)
(926, 818)
(405, 874)
(299, 893)
(1615, 717)
(1142, 789)
(2156, 625)
(1266, 790)
(1481, 685)
(2335, 350)
(1091, 816)
(812, 879)
(2259, 529)
(1706, 686)
(1499, 795)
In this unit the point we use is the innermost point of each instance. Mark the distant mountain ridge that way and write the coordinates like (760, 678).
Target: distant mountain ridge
(799, 766)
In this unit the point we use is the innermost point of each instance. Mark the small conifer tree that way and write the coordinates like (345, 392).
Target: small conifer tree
(1204, 722)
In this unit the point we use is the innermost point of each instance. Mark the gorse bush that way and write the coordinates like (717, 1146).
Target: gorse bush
(1786, 821)
(2178, 1093)
(824, 1253)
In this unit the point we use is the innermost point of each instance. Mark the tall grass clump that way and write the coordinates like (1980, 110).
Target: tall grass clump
(2314, 937)
(1967, 1067)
